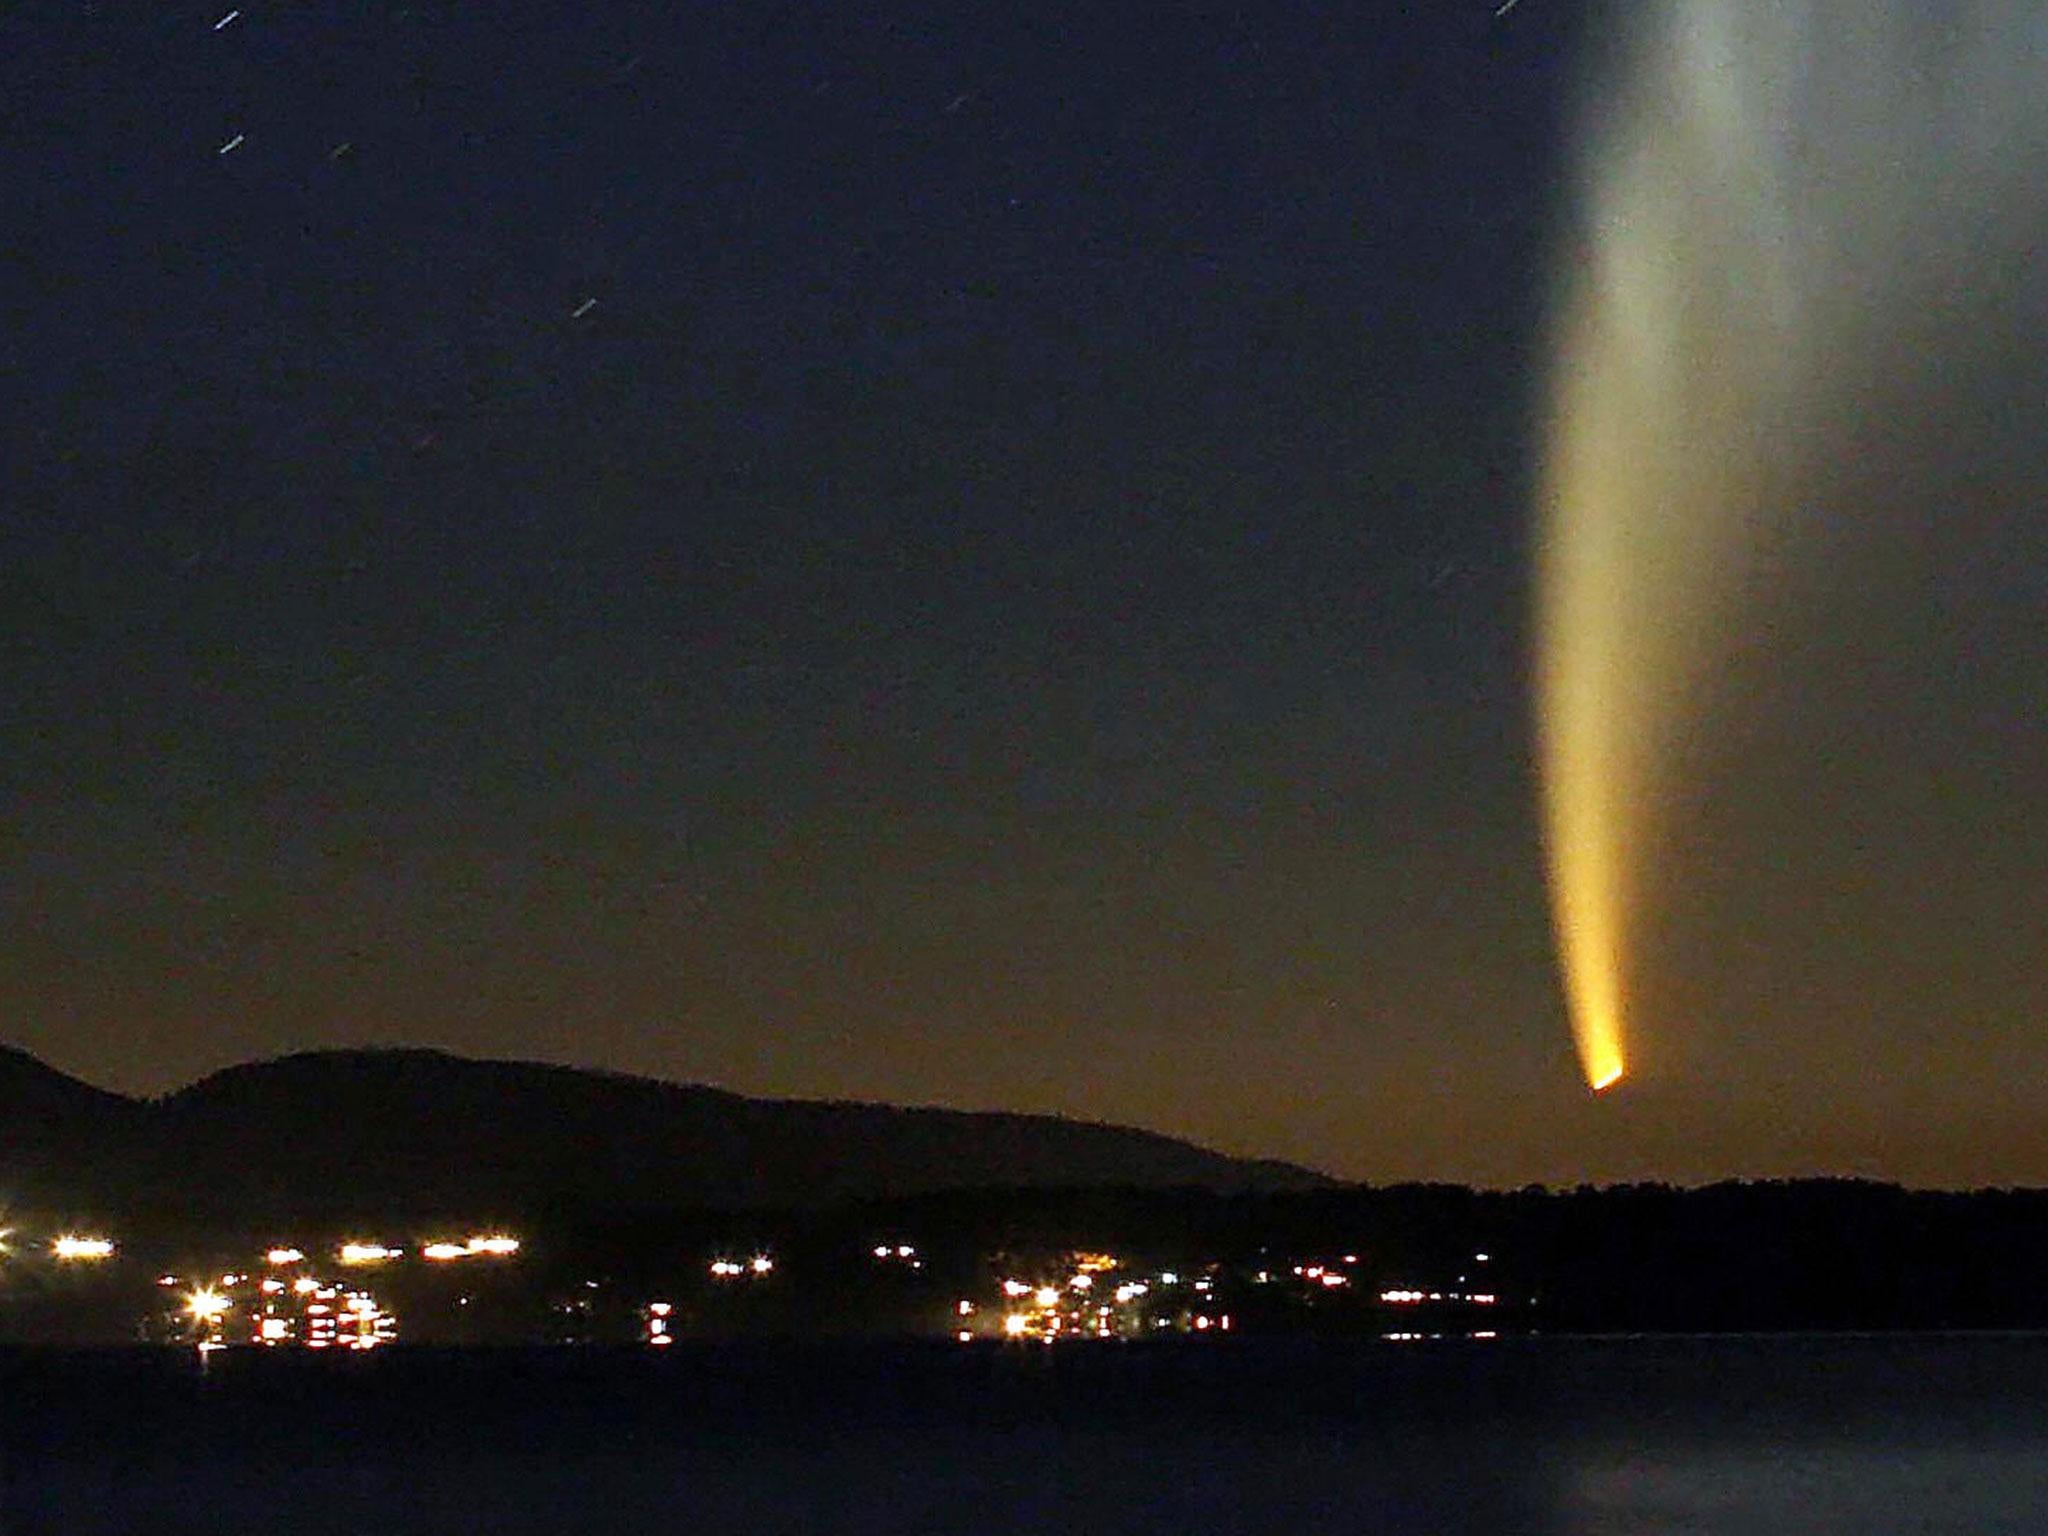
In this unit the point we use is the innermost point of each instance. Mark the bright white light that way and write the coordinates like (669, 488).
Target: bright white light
(1046, 1296)
(1016, 1324)
(966, 1309)
(761, 1264)
(283, 1256)
(442, 1253)
(497, 1245)
(1082, 1282)
(305, 1285)
(1016, 1288)
(207, 1306)
(367, 1253)
(71, 1248)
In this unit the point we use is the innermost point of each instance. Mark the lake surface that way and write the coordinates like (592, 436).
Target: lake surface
(1569, 1436)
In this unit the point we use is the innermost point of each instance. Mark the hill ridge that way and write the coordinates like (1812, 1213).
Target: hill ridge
(403, 1131)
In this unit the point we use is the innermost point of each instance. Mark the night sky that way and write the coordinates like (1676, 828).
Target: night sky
(975, 555)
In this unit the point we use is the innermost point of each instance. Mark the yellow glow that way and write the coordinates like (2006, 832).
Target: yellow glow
(283, 1256)
(1046, 1296)
(1016, 1324)
(367, 1253)
(441, 1253)
(498, 1246)
(71, 1248)
(207, 1306)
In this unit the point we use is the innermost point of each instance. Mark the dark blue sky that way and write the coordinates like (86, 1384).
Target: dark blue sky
(973, 555)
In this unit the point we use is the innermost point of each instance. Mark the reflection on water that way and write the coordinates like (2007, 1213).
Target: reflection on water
(1813, 1487)
(1736, 1435)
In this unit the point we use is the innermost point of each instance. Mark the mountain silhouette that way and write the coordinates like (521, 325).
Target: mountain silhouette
(413, 1133)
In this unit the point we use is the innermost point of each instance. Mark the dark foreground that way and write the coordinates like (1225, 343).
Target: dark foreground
(1736, 1435)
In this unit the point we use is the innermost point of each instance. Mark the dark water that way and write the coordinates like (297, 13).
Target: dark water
(1736, 1435)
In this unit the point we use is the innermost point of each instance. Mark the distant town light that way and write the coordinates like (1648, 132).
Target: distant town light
(964, 1336)
(1046, 1296)
(207, 1305)
(1016, 1325)
(966, 1308)
(367, 1253)
(442, 1253)
(1082, 1282)
(72, 1248)
(1016, 1288)
(284, 1256)
(761, 1264)
(305, 1285)
(497, 1245)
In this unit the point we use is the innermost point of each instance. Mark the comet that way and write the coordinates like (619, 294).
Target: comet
(1783, 216)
